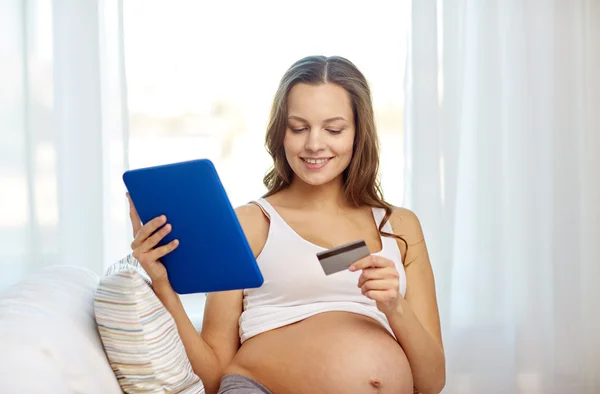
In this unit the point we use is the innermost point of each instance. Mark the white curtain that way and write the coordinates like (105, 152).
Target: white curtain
(503, 168)
(63, 136)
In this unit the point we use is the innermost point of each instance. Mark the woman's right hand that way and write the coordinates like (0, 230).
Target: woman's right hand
(144, 245)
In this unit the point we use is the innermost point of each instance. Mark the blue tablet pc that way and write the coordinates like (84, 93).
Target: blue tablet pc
(213, 253)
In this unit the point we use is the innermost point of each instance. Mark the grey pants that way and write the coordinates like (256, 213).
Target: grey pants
(240, 384)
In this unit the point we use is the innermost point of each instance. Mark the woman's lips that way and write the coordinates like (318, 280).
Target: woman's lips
(316, 163)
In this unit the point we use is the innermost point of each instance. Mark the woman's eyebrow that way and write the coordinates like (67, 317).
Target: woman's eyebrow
(325, 121)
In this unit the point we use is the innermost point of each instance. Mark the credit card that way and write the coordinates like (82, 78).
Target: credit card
(342, 257)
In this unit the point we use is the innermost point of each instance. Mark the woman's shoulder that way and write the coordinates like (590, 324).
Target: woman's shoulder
(403, 214)
(406, 223)
(250, 211)
(254, 224)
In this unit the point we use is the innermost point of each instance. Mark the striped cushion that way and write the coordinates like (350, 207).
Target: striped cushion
(140, 337)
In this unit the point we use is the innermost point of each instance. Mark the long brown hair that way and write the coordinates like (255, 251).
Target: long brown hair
(361, 182)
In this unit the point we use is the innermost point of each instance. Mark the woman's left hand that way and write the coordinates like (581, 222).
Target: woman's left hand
(379, 281)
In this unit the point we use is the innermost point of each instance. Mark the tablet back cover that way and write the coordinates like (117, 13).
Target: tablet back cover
(213, 253)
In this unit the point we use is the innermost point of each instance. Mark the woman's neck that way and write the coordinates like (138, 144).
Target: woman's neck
(323, 197)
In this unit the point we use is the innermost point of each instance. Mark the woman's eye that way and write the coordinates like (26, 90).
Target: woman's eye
(332, 131)
(299, 130)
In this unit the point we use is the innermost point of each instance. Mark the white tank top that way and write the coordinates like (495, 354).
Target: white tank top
(295, 286)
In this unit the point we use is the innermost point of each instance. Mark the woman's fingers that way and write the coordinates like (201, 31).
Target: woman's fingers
(161, 251)
(153, 240)
(142, 233)
(377, 273)
(381, 284)
(371, 261)
(147, 230)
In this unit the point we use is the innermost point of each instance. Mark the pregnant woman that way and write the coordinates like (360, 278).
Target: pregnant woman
(371, 329)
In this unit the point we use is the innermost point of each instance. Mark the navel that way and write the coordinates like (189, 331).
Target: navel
(375, 382)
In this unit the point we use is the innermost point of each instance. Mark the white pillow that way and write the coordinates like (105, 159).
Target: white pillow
(140, 337)
(48, 337)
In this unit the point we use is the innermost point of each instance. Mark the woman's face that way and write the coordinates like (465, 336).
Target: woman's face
(320, 132)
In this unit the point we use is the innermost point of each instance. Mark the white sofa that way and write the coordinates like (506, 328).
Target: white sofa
(48, 337)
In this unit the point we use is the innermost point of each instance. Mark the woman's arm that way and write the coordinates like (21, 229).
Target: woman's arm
(210, 353)
(415, 321)
(414, 318)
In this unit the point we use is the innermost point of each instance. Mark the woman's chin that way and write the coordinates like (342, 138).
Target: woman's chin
(317, 180)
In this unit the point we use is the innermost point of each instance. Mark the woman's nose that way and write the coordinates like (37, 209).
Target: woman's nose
(314, 141)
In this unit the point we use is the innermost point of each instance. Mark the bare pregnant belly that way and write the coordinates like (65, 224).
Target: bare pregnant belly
(333, 352)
